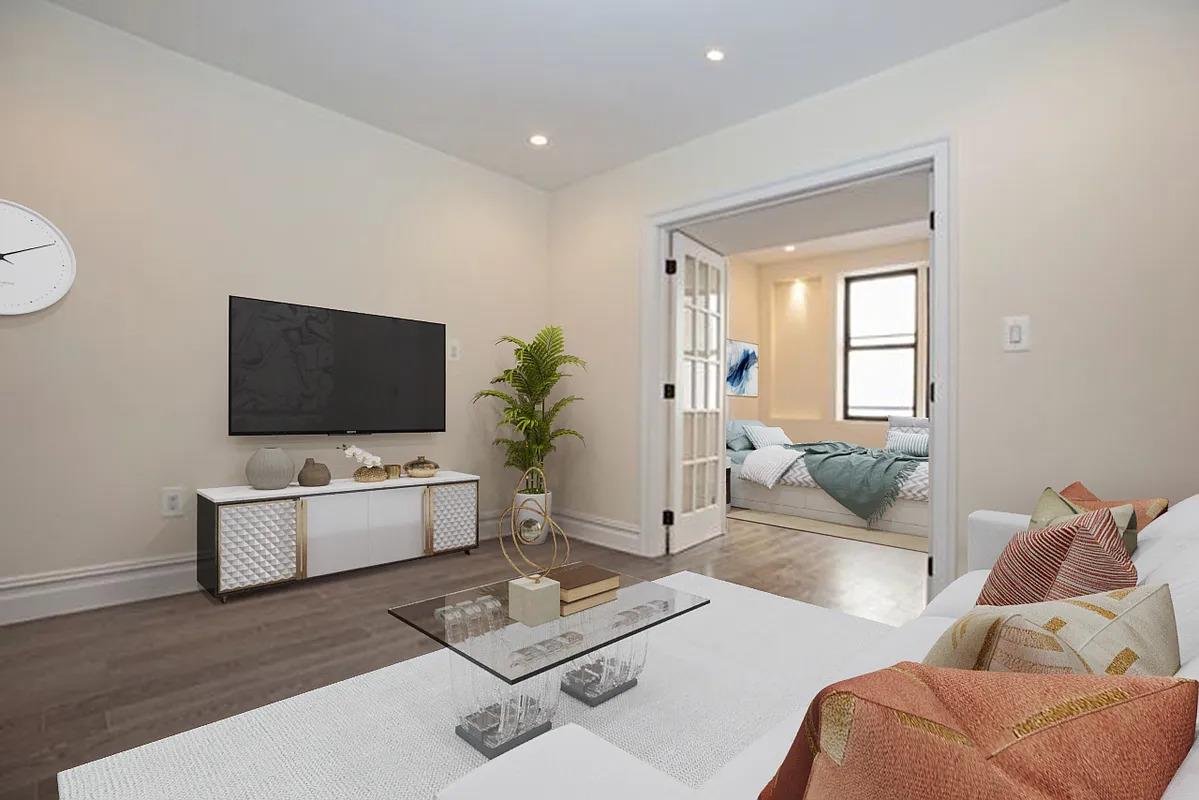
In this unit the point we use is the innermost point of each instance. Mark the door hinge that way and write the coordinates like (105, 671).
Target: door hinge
(932, 220)
(668, 391)
(667, 518)
(932, 392)
(930, 566)
(672, 266)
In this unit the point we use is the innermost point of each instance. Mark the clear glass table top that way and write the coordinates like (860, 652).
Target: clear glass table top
(474, 623)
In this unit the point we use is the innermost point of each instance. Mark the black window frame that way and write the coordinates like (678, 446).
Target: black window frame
(847, 348)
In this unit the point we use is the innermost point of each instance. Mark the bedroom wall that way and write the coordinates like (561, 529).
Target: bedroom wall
(1073, 197)
(743, 325)
(179, 184)
(801, 323)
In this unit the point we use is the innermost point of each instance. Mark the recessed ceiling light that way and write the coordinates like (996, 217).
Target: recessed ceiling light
(715, 54)
(539, 140)
(789, 248)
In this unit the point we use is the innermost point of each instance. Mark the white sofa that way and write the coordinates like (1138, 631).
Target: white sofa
(594, 769)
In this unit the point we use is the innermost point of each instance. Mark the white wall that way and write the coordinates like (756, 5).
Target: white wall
(179, 184)
(1074, 176)
(800, 367)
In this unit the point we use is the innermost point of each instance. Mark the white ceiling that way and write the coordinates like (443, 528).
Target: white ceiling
(879, 208)
(609, 81)
(841, 243)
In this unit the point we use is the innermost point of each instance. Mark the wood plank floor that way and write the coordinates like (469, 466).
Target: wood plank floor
(83, 686)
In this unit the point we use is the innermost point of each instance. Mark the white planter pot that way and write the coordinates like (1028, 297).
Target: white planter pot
(530, 524)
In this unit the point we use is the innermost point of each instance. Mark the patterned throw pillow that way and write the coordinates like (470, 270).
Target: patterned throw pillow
(1082, 556)
(912, 444)
(766, 437)
(1146, 510)
(767, 465)
(1127, 631)
(912, 731)
(1054, 509)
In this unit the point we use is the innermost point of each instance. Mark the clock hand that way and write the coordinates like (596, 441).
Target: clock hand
(4, 256)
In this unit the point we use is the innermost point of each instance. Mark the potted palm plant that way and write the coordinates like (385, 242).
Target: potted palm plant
(530, 417)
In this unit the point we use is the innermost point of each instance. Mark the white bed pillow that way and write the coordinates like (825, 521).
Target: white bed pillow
(766, 465)
(766, 437)
(912, 444)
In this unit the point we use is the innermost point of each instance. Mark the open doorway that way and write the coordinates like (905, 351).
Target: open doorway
(835, 323)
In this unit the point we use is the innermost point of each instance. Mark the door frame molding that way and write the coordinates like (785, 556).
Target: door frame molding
(655, 346)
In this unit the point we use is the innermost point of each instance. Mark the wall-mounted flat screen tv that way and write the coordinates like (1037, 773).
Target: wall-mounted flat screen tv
(301, 369)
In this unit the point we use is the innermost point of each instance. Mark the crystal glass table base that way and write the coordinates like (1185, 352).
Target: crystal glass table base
(598, 677)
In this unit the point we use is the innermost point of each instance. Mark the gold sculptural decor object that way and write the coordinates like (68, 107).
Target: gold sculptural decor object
(534, 598)
(371, 471)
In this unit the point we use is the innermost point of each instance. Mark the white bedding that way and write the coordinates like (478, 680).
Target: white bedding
(913, 487)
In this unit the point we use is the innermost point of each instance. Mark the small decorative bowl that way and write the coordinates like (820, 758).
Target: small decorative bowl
(421, 467)
(394, 471)
(370, 474)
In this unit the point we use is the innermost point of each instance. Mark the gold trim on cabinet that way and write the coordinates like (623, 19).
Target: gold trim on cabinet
(301, 538)
(428, 520)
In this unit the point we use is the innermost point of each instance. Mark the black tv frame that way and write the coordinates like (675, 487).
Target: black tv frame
(229, 374)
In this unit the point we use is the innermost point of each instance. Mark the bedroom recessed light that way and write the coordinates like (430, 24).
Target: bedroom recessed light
(789, 248)
(714, 54)
(539, 140)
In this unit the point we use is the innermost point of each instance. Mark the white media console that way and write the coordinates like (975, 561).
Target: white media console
(248, 538)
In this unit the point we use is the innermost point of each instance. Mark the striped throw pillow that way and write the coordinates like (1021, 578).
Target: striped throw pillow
(1081, 556)
(912, 444)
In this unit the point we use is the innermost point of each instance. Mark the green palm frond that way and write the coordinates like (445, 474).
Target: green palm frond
(534, 375)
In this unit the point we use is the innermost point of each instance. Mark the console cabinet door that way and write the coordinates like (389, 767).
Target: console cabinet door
(451, 517)
(397, 532)
(339, 534)
(256, 544)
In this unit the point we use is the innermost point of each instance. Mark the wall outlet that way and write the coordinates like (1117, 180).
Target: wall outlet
(453, 350)
(171, 501)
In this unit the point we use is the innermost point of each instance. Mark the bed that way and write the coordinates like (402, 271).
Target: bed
(796, 494)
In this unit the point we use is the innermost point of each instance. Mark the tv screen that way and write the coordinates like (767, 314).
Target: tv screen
(300, 369)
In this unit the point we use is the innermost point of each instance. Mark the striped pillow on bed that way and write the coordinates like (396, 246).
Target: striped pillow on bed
(912, 444)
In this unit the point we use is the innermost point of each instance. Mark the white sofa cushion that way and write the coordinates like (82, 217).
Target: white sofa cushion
(958, 598)
(565, 762)
(1168, 552)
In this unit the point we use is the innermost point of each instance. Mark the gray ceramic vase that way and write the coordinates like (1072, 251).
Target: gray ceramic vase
(313, 473)
(270, 468)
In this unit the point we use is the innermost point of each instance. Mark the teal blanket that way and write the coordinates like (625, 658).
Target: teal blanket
(864, 480)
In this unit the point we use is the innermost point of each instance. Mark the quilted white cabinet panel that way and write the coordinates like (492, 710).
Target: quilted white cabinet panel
(455, 510)
(257, 543)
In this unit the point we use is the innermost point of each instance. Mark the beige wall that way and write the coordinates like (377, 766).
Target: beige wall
(743, 325)
(179, 184)
(1073, 197)
(800, 366)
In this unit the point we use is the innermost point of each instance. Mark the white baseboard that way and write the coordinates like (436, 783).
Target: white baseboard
(581, 527)
(48, 594)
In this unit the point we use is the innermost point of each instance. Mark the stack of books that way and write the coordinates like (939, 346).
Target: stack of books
(585, 586)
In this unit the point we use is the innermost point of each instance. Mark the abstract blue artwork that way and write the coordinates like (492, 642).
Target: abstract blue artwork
(742, 378)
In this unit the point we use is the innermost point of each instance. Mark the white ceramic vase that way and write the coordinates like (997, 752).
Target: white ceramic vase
(270, 468)
(530, 524)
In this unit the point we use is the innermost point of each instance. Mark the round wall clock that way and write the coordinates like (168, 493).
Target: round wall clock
(37, 265)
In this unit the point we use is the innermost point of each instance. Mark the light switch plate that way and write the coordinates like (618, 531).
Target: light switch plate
(453, 350)
(1017, 334)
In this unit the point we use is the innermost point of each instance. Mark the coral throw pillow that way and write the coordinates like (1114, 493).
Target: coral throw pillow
(1145, 511)
(1123, 632)
(1083, 555)
(912, 732)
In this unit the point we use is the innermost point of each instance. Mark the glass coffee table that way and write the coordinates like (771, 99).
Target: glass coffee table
(508, 677)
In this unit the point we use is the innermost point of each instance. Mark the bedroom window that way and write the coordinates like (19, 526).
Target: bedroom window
(881, 343)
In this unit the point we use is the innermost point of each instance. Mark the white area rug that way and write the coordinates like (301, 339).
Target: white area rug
(716, 679)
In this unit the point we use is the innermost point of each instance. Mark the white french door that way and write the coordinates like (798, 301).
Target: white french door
(696, 473)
